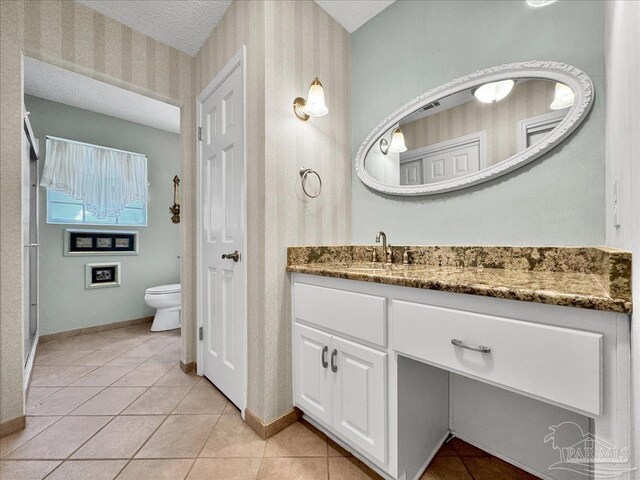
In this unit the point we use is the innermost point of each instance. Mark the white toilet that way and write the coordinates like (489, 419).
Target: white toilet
(166, 300)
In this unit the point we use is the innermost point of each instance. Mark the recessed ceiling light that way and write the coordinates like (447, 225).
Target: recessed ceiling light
(540, 3)
(493, 92)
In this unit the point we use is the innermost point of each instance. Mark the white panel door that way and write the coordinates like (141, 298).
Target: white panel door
(453, 163)
(221, 224)
(360, 393)
(312, 377)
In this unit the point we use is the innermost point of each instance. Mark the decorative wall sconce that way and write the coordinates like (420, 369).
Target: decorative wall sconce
(397, 144)
(314, 105)
(175, 209)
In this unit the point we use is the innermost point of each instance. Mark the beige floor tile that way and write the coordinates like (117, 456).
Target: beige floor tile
(336, 450)
(88, 470)
(203, 398)
(174, 469)
(231, 437)
(61, 439)
(166, 356)
(231, 409)
(26, 470)
(110, 401)
(63, 357)
(121, 438)
(63, 401)
(143, 376)
(225, 469)
(60, 376)
(298, 440)
(350, 468)
(102, 376)
(293, 469)
(447, 450)
(177, 378)
(464, 449)
(98, 358)
(34, 426)
(149, 348)
(446, 468)
(180, 436)
(157, 401)
(492, 468)
(37, 394)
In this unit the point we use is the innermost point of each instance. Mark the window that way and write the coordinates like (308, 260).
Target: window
(63, 208)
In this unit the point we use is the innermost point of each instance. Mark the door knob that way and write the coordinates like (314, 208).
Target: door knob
(235, 256)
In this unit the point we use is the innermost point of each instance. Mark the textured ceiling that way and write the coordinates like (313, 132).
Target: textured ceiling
(352, 14)
(182, 24)
(53, 83)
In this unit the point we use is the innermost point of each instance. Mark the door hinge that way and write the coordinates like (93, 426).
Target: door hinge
(200, 333)
(200, 134)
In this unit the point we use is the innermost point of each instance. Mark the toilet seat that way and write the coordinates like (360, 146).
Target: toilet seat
(164, 289)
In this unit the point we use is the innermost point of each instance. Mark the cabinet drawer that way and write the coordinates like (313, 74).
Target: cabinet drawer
(356, 315)
(558, 364)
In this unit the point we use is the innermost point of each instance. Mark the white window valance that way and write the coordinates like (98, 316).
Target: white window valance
(106, 180)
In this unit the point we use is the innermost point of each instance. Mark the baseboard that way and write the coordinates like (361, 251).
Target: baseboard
(12, 426)
(266, 430)
(95, 329)
(188, 367)
(28, 369)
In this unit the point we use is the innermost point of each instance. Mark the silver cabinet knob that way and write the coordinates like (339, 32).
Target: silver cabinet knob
(235, 256)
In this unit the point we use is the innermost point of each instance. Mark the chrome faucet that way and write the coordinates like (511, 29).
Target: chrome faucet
(386, 250)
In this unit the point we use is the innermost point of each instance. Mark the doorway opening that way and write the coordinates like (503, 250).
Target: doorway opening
(101, 231)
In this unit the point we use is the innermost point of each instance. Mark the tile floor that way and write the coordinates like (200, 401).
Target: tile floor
(115, 404)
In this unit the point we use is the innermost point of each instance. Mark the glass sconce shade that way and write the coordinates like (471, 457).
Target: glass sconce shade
(314, 105)
(396, 145)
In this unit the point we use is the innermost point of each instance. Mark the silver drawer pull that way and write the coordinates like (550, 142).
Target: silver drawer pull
(480, 348)
(334, 367)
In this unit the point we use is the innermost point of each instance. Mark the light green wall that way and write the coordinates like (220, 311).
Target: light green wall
(413, 46)
(65, 304)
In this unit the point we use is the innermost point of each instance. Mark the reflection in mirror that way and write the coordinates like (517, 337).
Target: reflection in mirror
(468, 131)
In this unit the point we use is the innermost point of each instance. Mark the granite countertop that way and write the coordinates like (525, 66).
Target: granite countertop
(584, 277)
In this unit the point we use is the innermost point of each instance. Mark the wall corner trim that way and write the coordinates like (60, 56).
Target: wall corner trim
(266, 430)
(13, 426)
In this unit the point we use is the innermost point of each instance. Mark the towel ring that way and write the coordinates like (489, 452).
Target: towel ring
(303, 176)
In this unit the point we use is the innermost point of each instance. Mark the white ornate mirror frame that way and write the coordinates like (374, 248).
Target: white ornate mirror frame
(571, 76)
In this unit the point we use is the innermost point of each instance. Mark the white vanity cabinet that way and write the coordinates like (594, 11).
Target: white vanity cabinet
(339, 381)
(389, 371)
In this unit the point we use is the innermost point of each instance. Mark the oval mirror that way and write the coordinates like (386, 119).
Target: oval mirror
(475, 128)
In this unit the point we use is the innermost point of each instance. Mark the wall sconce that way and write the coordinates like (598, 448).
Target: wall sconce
(397, 144)
(175, 209)
(314, 105)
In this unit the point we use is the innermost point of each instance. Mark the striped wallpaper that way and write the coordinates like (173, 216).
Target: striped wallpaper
(74, 37)
(288, 44)
(498, 120)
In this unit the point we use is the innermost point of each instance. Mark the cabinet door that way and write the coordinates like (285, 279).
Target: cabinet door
(312, 376)
(360, 393)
